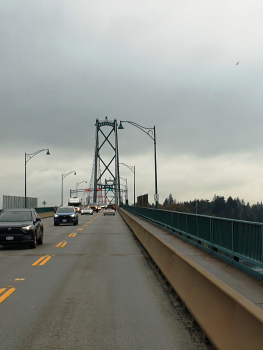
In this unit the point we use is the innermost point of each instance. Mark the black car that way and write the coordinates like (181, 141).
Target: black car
(65, 215)
(20, 226)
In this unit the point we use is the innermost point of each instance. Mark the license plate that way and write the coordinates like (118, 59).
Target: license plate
(64, 220)
(9, 238)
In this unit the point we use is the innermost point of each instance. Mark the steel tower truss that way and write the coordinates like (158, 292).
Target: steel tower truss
(105, 129)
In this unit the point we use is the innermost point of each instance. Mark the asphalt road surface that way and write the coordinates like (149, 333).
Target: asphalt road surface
(87, 287)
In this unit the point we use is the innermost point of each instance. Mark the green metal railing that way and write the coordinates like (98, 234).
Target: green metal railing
(237, 240)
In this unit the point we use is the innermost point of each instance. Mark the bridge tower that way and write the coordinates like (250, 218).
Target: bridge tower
(106, 161)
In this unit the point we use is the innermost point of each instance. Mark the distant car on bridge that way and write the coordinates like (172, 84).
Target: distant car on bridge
(94, 206)
(86, 211)
(65, 215)
(109, 211)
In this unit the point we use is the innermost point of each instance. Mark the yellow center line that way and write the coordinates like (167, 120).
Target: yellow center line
(6, 294)
(58, 245)
(46, 225)
(74, 234)
(38, 261)
(19, 279)
(44, 261)
(85, 225)
(2, 290)
(63, 245)
(79, 229)
(70, 235)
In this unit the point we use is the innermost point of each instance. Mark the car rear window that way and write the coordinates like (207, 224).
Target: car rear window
(15, 216)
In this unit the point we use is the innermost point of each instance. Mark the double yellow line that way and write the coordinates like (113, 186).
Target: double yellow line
(6, 294)
(72, 235)
(61, 245)
(42, 260)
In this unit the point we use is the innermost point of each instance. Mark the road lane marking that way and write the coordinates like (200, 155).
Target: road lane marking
(41, 261)
(45, 225)
(61, 245)
(19, 279)
(6, 294)
(85, 225)
(46, 260)
(79, 229)
(72, 235)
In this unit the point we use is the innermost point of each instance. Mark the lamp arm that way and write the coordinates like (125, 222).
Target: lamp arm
(142, 128)
(64, 175)
(29, 156)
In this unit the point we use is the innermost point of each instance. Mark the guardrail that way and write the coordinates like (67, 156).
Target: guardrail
(239, 243)
(40, 210)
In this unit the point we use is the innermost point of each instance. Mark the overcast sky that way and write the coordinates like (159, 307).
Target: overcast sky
(171, 64)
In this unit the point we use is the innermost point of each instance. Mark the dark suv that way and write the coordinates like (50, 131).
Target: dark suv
(20, 226)
(65, 215)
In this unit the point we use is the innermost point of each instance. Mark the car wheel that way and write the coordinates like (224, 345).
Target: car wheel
(40, 240)
(55, 224)
(33, 244)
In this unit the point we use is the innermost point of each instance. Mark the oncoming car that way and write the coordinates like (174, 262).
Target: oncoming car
(66, 215)
(21, 226)
(86, 211)
(94, 207)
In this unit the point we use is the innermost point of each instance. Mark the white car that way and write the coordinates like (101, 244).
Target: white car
(86, 211)
(109, 211)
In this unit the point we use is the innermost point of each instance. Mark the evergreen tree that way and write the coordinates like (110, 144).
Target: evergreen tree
(170, 199)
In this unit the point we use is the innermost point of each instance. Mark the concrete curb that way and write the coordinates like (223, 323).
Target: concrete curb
(229, 320)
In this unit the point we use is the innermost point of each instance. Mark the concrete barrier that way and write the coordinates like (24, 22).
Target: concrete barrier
(229, 320)
(46, 215)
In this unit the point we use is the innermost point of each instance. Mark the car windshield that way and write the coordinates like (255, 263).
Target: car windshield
(65, 210)
(15, 216)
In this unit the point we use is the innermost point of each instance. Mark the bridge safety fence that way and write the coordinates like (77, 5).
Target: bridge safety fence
(237, 242)
(41, 209)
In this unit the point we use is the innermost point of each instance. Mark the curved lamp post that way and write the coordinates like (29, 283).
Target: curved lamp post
(63, 177)
(132, 168)
(28, 156)
(151, 133)
(77, 184)
(126, 188)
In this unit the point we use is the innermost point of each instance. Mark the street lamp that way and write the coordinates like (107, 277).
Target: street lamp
(126, 189)
(27, 159)
(63, 177)
(149, 132)
(132, 168)
(77, 184)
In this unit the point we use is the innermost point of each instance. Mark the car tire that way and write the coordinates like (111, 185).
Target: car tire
(40, 240)
(55, 224)
(33, 244)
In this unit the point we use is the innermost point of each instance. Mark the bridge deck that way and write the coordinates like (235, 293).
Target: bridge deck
(242, 283)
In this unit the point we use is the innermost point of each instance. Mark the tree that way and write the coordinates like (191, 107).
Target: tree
(170, 199)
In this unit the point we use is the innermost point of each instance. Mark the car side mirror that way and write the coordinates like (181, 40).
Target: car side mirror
(38, 219)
